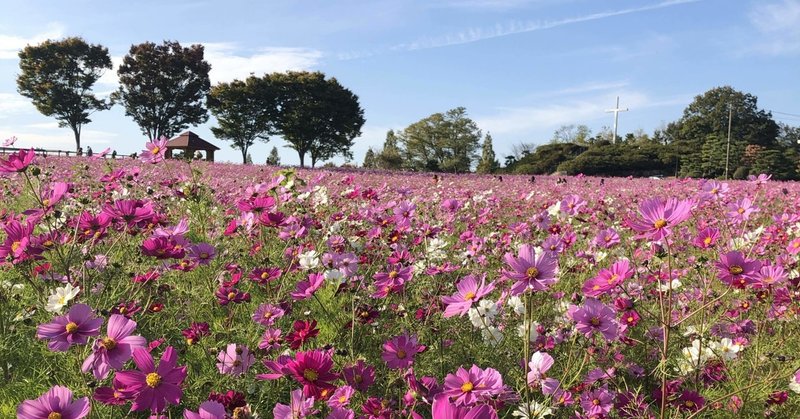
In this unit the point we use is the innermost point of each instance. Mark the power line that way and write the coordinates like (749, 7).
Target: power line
(786, 113)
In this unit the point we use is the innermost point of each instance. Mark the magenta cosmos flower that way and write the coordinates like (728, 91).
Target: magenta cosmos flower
(153, 387)
(19, 244)
(73, 328)
(235, 360)
(444, 409)
(155, 150)
(305, 289)
(531, 271)
(658, 217)
(467, 387)
(312, 369)
(114, 350)
(55, 404)
(594, 316)
(469, 292)
(399, 351)
(17, 162)
(209, 409)
(736, 271)
(608, 279)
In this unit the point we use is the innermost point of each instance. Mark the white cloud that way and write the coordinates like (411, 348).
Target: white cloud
(512, 28)
(50, 137)
(10, 45)
(779, 25)
(228, 63)
(14, 104)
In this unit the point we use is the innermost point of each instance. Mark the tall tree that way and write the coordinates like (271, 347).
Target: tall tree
(317, 116)
(442, 142)
(709, 115)
(488, 162)
(163, 87)
(58, 76)
(274, 159)
(578, 134)
(390, 156)
(370, 161)
(245, 110)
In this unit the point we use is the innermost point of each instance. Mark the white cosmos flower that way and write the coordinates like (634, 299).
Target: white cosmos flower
(308, 260)
(60, 297)
(334, 275)
(516, 304)
(532, 410)
(484, 313)
(726, 349)
(492, 335)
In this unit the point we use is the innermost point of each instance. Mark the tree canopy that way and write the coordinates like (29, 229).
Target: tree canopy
(316, 116)
(246, 111)
(58, 77)
(163, 87)
(442, 142)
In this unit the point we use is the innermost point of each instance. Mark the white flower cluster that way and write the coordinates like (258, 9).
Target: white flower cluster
(482, 317)
(695, 357)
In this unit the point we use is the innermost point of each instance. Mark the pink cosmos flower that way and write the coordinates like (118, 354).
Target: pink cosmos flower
(341, 397)
(706, 238)
(57, 403)
(266, 314)
(713, 190)
(571, 204)
(114, 350)
(271, 340)
(305, 289)
(73, 328)
(151, 387)
(111, 396)
(399, 351)
(19, 244)
(312, 369)
(203, 253)
(9, 142)
(659, 216)
(608, 279)
(209, 409)
(597, 403)
(341, 413)
(469, 387)
(741, 210)
(235, 360)
(594, 316)
(607, 238)
(155, 150)
(736, 271)
(444, 409)
(469, 292)
(793, 247)
(770, 275)
(531, 271)
(17, 162)
(299, 407)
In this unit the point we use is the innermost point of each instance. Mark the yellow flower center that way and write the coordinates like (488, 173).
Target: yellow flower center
(342, 399)
(466, 387)
(740, 210)
(71, 327)
(532, 272)
(393, 274)
(54, 415)
(108, 343)
(358, 379)
(15, 246)
(310, 375)
(153, 380)
(630, 319)
(156, 149)
(204, 255)
(707, 241)
(469, 296)
(612, 278)
(660, 223)
(736, 269)
(46, 202)
(689, 403)
(401, 354)
(231, 295)
(595, 321)
(596, 402)
(264, 275)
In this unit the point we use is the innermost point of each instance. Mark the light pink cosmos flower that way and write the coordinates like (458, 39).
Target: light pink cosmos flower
(470, 386)
(444, 409)
(155, 150)
(741, 210)
(540, 363)
(607, 238)
(209, 409)
(659, 216)
(572, 204)
(56, 403)
(114, 350)
(399, 351)
(306, 289)
(299, 407)
(73, 328)
(341, 397)
(531, 271)
(469, 292)
(235, 360)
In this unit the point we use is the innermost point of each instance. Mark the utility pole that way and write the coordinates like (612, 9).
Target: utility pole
(616, 111)
(728, 152)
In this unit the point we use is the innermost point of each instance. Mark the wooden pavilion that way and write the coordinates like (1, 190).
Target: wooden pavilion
(190, 142)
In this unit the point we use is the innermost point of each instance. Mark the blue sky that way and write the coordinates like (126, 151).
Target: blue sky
(522, 68)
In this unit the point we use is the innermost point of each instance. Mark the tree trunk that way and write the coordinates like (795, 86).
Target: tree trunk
(302, 156)
(77, 131)
(244, 155)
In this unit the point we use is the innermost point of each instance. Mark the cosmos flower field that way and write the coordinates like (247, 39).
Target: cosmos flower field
(161, 288)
